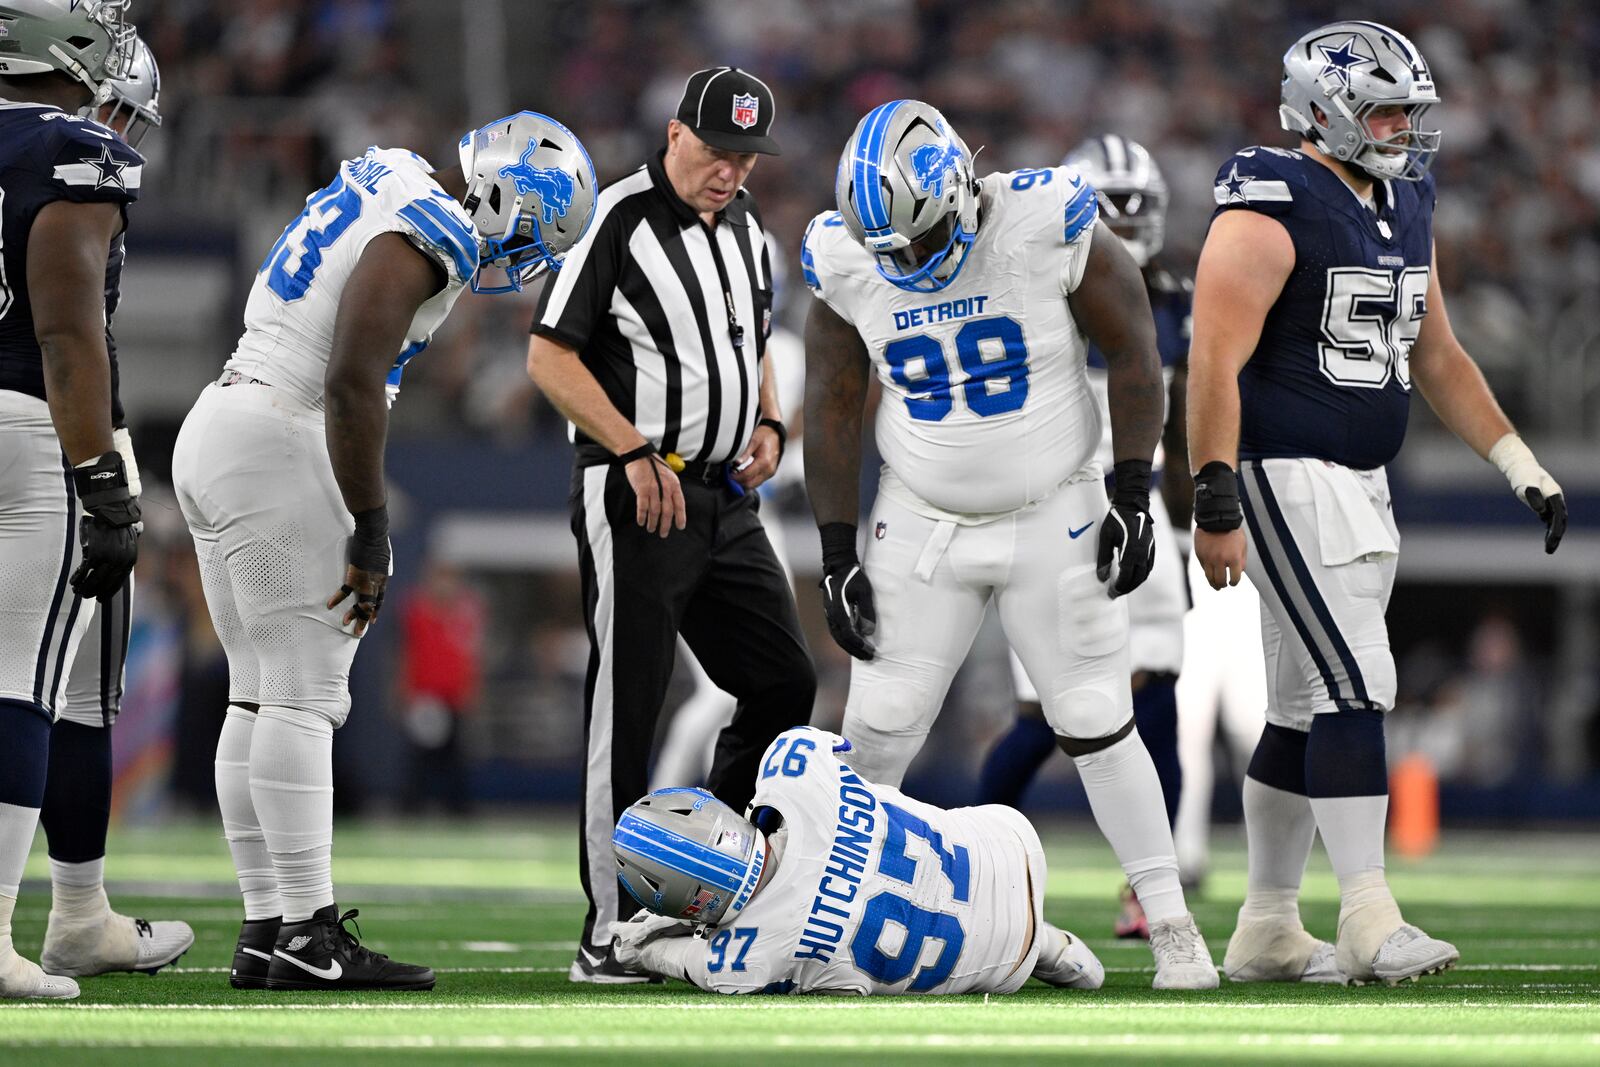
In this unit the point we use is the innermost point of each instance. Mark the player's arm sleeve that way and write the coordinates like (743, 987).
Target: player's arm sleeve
(433, 226)
(1076, 227)
(89, 165)
(813, 263)
(1249, 181)
(573, 302)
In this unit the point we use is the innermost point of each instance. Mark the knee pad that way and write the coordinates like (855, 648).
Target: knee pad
(1090, 713)
(880, 756)
(1280, 759)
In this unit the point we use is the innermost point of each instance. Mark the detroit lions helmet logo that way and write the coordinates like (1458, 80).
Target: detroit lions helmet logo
(931, 162)
(552, 185)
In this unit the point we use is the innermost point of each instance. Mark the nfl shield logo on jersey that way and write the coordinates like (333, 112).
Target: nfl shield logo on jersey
(744, 110)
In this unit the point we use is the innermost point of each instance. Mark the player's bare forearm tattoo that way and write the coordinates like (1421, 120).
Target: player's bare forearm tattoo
(836, 392)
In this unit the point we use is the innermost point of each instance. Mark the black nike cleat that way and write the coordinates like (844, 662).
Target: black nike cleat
(321, 953)
(252, 956)
(601, 967)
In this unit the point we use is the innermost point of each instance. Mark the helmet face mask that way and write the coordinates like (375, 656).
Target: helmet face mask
(906, 192)
(134, 105)
(1336, 77)
(685, 854)
(531, 191)
(1131, 191)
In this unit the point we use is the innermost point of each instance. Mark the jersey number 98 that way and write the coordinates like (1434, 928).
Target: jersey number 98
(993, 386)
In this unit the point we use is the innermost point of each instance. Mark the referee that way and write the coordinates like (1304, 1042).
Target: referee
(652, 341)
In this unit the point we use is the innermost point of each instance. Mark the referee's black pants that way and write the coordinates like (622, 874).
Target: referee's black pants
(719, 584)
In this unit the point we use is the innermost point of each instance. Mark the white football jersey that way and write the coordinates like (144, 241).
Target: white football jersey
(876, 893)
(295, 299)
(986, 404)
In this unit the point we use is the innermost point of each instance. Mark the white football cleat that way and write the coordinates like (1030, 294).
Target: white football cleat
(1267, 950)
(1182, 959)
(20, 978)
(1066, 962)
(1408, 954)
(112, 943)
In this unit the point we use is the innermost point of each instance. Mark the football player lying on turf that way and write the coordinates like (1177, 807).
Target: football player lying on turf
(837, 885)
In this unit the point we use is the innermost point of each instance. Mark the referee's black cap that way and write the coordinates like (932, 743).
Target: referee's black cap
(730, 109)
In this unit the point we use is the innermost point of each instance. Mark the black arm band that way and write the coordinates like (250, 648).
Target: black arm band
(1216, 498)
(781, 430)
(369, 545)
(838, 544)
(643, 451)
(1133, 483)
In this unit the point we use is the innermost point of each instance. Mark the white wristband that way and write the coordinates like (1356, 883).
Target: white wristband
(123, 442)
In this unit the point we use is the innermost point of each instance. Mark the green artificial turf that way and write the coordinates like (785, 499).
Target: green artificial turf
(495, 908)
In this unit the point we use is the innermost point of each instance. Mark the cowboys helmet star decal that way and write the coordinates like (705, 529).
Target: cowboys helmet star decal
(1339, 62)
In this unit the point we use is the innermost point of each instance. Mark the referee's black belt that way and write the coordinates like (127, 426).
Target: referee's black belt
(592, 455)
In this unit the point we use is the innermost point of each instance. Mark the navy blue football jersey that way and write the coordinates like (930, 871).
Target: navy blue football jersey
(1172, 305)
(1331, 376)
(48, 155)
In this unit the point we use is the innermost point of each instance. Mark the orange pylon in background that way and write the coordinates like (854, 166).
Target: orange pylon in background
(1414, 807)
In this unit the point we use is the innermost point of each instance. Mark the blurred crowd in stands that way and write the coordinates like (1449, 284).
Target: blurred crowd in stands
(263, 97)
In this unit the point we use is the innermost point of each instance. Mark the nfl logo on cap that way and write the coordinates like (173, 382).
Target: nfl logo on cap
(744, 110)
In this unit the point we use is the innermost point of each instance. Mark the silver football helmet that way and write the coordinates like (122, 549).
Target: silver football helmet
(1133, 195)
(1336, 76)
(906, 191)
(686, 854)
(88, 39)
(531, 193)
(135, 101)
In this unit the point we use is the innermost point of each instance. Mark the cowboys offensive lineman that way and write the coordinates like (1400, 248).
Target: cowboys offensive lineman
(1317, 306)
(972, 301)
(837, 885)
(279, 471)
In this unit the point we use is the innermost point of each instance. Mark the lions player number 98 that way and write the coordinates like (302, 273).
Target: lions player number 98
(929, 396)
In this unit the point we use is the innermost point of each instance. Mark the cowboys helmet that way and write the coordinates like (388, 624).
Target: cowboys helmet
(1132, 193)
(1336, 76)
(91, 40)
(906, 179)
(135, 97)
(530, 191)
(686, 854)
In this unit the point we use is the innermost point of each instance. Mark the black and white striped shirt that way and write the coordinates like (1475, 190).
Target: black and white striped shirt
(645, 300)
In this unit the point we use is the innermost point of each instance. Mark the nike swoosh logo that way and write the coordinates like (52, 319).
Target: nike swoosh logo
(1075, 533)
(257, 953)
(331, 972)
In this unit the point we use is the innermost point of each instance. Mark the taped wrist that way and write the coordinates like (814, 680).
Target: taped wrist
(1216, 498)
(369, 545)
(1133, 484)
(838, 545)
(102, 488)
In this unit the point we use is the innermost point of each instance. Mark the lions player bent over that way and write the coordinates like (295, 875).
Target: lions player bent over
(279, 471)
(1317, 305)
(972, 301)
(837, 885)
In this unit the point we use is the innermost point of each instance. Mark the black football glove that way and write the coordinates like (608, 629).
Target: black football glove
(109, 529)
(846, 593)
(1553, 510)
(1128, 536)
